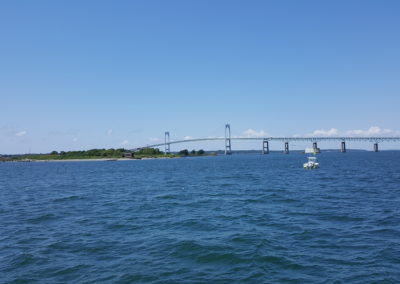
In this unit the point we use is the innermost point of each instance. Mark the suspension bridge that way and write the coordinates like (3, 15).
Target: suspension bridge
(265, 141)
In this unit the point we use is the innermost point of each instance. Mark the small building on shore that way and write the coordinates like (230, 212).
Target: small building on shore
(128, 155)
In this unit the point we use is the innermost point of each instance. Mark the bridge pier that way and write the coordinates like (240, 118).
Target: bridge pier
(375, 147)
(167, 146)
(228, 146)
(315, 146)
(343, 147)
(286, 148)
(265, 147)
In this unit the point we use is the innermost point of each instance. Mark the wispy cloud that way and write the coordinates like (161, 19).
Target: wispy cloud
(21, 133)
(74, 139)
(323, 132)
(125, 142)
(372, 131)
(187, 137)
(154, 139)
(251, 133)
(109, 132)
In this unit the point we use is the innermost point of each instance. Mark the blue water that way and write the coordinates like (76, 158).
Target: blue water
(236, 219)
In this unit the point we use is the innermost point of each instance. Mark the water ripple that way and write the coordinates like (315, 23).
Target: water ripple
(237, 219)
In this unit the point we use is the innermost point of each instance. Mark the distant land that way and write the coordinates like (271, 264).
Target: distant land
(102, 154)
(125, 154)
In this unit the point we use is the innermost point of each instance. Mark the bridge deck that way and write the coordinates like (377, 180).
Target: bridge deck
(283, 139)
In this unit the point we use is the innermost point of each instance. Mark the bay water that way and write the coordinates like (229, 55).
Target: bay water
(224, 219)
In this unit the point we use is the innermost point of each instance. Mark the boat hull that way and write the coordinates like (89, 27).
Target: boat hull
(310, 166)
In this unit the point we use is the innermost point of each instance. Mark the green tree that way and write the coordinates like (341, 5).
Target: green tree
(200, 152)
(149, 151)
(184, 152)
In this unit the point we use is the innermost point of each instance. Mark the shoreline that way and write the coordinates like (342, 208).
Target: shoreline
(85, 160)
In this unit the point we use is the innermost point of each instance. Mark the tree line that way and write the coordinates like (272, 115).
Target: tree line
(104, 153)
(186, 152)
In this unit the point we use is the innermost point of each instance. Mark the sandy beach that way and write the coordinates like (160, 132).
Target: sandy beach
(87, 160)
(99, 160)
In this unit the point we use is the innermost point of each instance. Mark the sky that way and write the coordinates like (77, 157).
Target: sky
(78, 75)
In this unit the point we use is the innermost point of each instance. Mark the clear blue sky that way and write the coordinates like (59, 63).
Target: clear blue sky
(95, 74)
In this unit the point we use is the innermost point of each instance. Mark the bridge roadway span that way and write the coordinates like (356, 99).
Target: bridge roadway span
(282, 139)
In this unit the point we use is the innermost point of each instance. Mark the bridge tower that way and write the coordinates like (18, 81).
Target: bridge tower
(228, 148)
(315, 146)
(265, 146)
(167, 145)
(376, 147)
